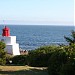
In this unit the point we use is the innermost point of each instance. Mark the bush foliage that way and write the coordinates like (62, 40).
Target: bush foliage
(2, 54)
(19, 60)
(58, 59)
(40, 56)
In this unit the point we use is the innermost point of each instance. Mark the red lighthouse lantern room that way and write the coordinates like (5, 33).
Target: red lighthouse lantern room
(6, 31)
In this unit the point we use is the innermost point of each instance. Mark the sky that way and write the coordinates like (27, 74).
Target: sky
(37, 12)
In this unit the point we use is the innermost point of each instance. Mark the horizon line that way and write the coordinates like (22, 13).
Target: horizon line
(39, 24)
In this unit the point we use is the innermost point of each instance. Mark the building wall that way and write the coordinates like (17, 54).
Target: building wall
(11, 46)
(16, 49)
(13, 49)
(10, 39)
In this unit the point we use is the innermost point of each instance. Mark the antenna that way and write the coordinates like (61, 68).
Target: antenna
(4, 23)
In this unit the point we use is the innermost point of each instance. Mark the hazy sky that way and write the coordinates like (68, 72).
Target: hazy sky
(47, 12)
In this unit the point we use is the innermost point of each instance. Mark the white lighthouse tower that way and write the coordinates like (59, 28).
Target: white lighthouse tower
(11, 46)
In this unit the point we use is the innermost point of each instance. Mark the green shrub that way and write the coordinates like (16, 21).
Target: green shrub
(39, 60)
(19, 60)
(62, 61)
(2, 54)
(68, 68)
(39, 57)
(57, 59)
(8, 59)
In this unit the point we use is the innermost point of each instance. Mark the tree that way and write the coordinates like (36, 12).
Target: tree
(57, 59)
(69, 67)
(71, 39)
(2, 54)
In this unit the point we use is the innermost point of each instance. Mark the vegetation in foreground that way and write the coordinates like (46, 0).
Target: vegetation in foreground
(2, 54)
(60, 60)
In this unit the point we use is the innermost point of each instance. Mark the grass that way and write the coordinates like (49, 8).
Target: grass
(22, 70)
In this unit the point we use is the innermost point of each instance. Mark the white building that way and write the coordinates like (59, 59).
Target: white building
(11, 46)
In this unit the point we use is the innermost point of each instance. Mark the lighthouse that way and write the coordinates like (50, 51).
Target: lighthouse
(11, 46)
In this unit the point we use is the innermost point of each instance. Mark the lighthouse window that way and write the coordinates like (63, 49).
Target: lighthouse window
(2, 40)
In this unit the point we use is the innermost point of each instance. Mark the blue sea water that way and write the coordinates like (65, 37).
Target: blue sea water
(30, 37)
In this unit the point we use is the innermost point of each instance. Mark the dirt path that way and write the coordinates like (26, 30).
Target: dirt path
(22, 70)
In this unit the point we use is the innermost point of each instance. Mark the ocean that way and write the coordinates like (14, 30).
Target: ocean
(31, 37)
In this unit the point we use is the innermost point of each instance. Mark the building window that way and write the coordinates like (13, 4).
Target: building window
(2, 40)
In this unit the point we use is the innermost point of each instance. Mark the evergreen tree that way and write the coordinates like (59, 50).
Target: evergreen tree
(71, 39)
(2, 54)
